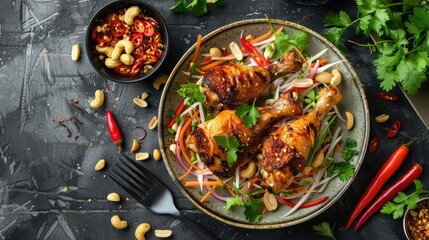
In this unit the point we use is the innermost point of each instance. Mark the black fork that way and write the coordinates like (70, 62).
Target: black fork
(150, 191)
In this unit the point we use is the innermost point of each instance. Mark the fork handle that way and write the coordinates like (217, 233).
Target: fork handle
(200, 232)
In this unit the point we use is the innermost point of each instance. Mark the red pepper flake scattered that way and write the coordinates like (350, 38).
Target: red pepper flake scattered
(418, 221)
(374, 143)
(67, 128)
(78, 108)
(394, 129)
(144, 132)
(386, 96)
(75, 101)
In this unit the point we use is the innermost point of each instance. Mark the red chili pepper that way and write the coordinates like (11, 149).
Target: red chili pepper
(386, 171)
(406, 180)
(137, 39)
(139, 25)
(394, 129)
(387, 96)
(254, 53)
(104, 38)
(304, 205)
(179, 110)
(149, 29)
(133, 70)
(118, 28)
(114, 130)
(374, 143)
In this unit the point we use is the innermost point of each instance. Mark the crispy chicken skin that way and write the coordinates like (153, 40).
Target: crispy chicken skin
(285, 151)
(226, 123)
(227, 86)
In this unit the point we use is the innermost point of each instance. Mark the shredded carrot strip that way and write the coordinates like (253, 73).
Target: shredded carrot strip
(212, 65)
(322, 62)
(244, 163)
(300, 55)
(182, 145)
(197, 49)
(340, 150)
(253, 181)
(186, 174)
(230, 190)
(205, 62)
(196, 116)
(262, 37)
(199, 71)
(305, 191)
(278, 31)
(208, 194)
(206, 183)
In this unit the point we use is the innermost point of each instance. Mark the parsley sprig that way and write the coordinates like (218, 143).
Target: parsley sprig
(253, 208)
(231, 144)
(324, 229)
(248, 113)
(403, 51)
(191, 92)
(402, 200)
(344, 168)
(196, 7)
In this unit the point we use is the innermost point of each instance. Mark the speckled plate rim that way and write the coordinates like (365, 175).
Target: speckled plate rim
(275, 225)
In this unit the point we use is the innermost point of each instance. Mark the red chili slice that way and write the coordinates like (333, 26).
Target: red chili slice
(104, 38)
(139, 25)
(149, 29)
(374, 143)
(386, 96)
(254, 53)
(156, 38)
(137, 39)
(394, 129)
(152, 21)
(118, 28)
(148, 58)
(123, 70)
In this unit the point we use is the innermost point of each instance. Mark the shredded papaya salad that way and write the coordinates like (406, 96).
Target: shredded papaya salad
(243, 189)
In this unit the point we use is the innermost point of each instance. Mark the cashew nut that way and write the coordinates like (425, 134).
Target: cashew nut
(75, 53)
(142, 156)
(350, 120)
(163, 233)
(318, 159)
(160, 79)
(136, 146)
(120, 46)
(236, 51)
(156, 154)
(249, 171)
(105, 50)
(126, 59)
(270, 201)
(144, 95)
(118, 223)
(141, 230)
(110, 63)
(382, 118)
(114, 197)
(172, 148)
(324, 77)
(140, 102)
(336, 77)
(153, 122)
(215, 52)
(100, 165)
(130, 14)
(98, 100)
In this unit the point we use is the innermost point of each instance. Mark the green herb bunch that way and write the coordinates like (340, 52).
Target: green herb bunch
(400, 30)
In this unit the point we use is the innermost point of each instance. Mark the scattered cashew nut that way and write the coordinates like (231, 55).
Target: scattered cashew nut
(136, 146)
(249, 171)
(156, 154)
(336, 77)
(106, 50)
(113, 197)
(144, 95)
(110, 63)
(142, 156)
(120, 46)
(160, 79)
(140, 102)
(141, 230)
(382, 118)
(350, 120)
(153, 123)
(126, 59)
(163, 233)
(118, 223)
(100, 165)
(130, 14)
(75, 53)
(98, 100)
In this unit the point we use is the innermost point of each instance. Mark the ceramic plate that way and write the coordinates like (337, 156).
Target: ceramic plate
(354, 100)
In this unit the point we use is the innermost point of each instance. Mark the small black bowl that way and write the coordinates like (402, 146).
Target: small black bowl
(99, 66)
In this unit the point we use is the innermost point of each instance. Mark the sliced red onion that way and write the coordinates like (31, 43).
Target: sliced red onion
(313, 71)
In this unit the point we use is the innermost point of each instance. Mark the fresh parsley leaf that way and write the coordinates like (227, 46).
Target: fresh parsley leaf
(253, 210)
(300, 40)
(324, 229)
(233, 202)
(334, 36)
(285, 43)
(342, 19)
(348, 150)
(231, 145)
(197, 7)
(180, 6)
(192, 92)
(248, 113)
(344, 169)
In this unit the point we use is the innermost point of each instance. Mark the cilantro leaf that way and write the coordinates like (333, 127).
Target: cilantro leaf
(180, 6)
(342, 19)
(192, 92)
(344, 169)
(334, 36)
(248, 113)
(324, 229)
(348, 150)
(418, 22)
(253, 210)
(397, 210)
(231, 145)
(282, 43)
(233, 201)
(197, 7)
(300, 40)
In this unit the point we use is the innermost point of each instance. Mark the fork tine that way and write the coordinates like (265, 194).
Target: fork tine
(131, 179)
(119, 180)
(138, 168)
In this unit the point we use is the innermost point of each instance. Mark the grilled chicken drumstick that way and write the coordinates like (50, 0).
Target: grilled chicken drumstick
(229, 85)
(285, 151)
(226, 123)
